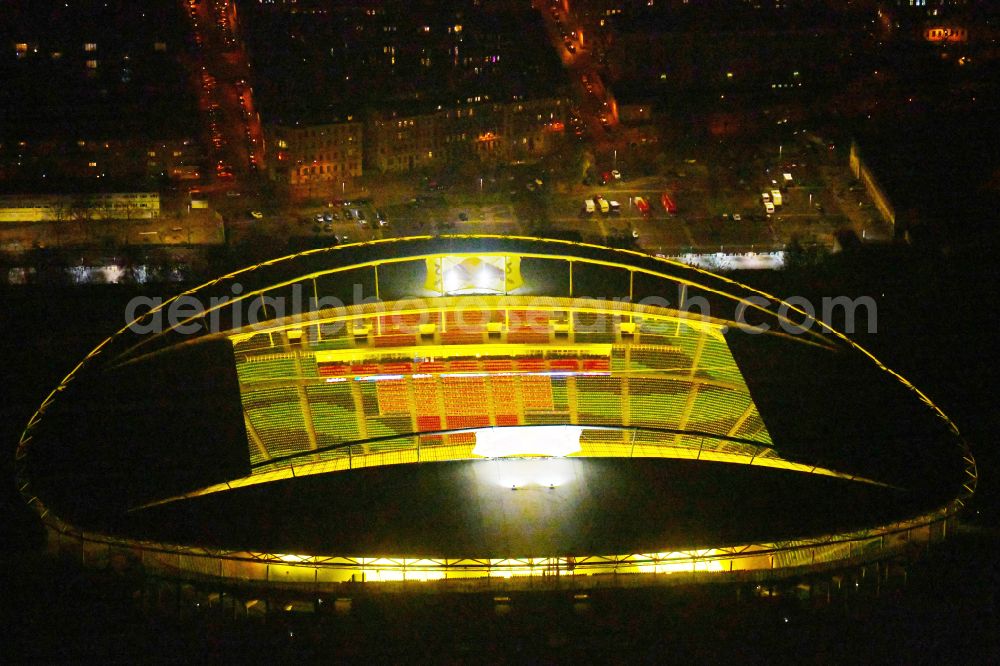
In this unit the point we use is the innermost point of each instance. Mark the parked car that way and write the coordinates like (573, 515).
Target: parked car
(668, 203)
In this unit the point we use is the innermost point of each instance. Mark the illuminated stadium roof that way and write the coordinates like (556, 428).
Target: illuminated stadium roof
(564, 375)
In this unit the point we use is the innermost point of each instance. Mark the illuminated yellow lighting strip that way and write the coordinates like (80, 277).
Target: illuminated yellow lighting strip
(457, 304)
(647, 373)
(308, 569)
(747, 413)
(459, 452)
(431, 255)
(254, 437)
(485, 350)
(27, 435)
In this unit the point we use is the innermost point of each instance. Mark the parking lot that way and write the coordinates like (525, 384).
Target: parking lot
(715, 205)
(718, 201)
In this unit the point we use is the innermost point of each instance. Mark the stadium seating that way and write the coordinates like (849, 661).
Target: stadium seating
(662, 375)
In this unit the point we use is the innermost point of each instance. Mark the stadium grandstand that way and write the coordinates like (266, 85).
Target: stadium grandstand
(480, 419)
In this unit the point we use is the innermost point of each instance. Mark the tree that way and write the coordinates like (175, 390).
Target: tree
(799, 255)
(84, 216)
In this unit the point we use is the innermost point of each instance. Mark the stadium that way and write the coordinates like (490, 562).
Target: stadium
(462, 412)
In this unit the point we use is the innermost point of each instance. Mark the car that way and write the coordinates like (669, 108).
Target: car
(769, 207)
(642, 205)
(737, 217)
(463, 216)
(256, 214)
(635, 233)
(328, 217)
(668, 203)
(588, 206)
(765, 197)
(616, 174)
(615, 206)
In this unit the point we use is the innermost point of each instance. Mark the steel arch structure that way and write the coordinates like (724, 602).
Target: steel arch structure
(421, 336)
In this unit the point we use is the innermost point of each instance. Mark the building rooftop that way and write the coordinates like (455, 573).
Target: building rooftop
(310, 67)
(88, 69)
(939, 172)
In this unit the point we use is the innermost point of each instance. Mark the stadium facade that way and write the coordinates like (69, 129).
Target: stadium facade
(490, 358)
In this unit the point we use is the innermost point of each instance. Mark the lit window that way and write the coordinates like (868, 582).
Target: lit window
(90, 46)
